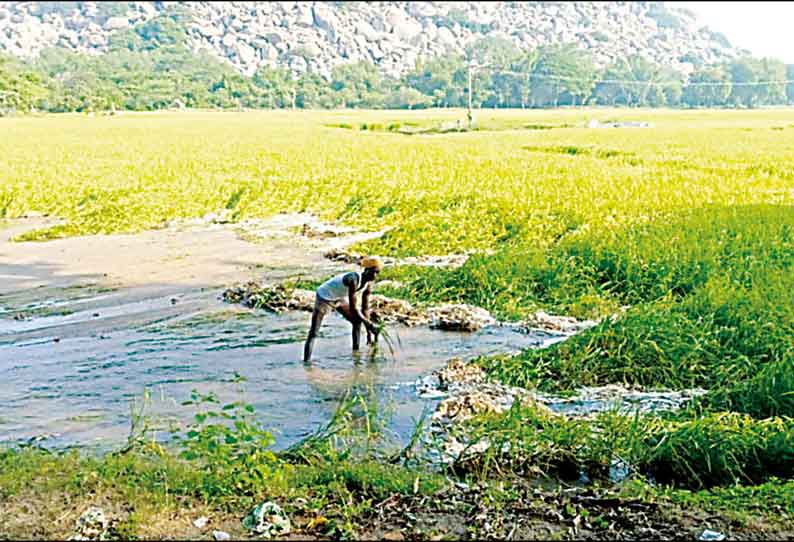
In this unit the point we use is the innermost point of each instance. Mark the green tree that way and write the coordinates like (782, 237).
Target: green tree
(638, 82)
(790, 84)
(562, 74)
(442, 78)
(314, 92)
(491, 57)
(709, 87)
(672, 86)
(494, 51)
(20, 88)
(407, 98)
(612, 89)
(279, 89)
(744, 74)
(359, 84)
(773, 74)
(520, 83)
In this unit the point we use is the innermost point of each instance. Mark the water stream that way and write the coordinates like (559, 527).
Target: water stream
(73, 360)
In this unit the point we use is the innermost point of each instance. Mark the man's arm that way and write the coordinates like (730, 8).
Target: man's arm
(365, 301)
(354, 311)
(365, 309)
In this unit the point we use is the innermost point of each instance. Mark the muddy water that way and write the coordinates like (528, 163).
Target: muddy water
(73, 359)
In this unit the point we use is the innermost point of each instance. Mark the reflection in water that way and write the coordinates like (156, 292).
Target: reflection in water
(79, 389)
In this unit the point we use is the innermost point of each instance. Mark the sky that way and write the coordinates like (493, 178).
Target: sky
(763, 28)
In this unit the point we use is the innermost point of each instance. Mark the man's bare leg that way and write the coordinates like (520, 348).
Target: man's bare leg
(317, 320)
(344, 310)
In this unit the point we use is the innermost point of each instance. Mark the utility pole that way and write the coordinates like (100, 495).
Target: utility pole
(468, 113)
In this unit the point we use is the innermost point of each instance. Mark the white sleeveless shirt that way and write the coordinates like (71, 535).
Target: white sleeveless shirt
(334, 289)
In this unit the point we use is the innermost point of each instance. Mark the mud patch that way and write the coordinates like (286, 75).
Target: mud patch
(280, 298)
(304, 229)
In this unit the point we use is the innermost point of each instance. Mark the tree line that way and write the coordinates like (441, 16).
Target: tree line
(150, 67)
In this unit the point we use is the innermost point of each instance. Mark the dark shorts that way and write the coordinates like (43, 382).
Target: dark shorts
(322, 306)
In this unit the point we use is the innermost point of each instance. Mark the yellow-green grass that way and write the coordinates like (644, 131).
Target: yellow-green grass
(444, 193)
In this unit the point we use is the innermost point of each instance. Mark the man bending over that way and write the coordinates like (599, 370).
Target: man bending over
(339, 293)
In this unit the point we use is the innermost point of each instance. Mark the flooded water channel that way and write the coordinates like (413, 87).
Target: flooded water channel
(73, 359)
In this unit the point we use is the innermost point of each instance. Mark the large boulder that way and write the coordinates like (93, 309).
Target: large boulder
(304, 16)
(209, 30)
(368, 31)
(246, 53)
(407, 29)
(117, 23)
(325, 19)
(445, 37)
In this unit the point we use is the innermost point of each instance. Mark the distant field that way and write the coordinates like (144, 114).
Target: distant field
(444, 192)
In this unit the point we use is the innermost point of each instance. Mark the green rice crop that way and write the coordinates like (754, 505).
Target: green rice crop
(712, 450)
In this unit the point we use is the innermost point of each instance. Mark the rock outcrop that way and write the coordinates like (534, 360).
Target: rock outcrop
(316, 36)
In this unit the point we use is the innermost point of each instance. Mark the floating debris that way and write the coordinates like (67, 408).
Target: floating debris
(279, 298)
(92, 525)
(465, 393)
(267, 519)
(455, 451)
(710, 535)
(468, 394)
(481, 399)
(396, 311)
(457, 371)
(459, 317)
(589, 401)
(567, 325)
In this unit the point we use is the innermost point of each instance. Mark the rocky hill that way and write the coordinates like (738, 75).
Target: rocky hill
(316, 36)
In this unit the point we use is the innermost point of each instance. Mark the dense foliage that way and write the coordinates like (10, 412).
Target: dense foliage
(150, 67)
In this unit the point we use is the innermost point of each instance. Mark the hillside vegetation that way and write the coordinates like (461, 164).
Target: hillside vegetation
(153, 62)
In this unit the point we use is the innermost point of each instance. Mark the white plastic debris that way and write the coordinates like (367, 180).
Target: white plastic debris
(619, 470)
(268, 520)
(710, 535)
(91, 525)
(221, 535)
(201, 522)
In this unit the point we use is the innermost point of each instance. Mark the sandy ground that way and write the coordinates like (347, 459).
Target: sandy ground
(205, 255)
